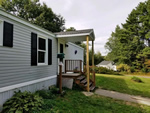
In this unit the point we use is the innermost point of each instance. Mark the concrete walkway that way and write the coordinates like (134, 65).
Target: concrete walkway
(122, 96)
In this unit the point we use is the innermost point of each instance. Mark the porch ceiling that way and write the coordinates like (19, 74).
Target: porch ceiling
(78, 35)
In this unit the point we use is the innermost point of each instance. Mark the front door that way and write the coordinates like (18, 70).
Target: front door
(61, 50)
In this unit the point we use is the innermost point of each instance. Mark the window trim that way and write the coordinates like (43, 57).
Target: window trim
(1, 31)
(46, 51)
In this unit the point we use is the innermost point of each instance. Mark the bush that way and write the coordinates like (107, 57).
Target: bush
(45, 94)
(48, 94)
(54, 90)
(132, 69)
(123, 67)
(145, 70)
(136, 79)
(23, 102)
(104, 70)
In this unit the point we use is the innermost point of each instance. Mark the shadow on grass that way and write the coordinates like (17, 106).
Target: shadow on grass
(119, 85)
(116, 74)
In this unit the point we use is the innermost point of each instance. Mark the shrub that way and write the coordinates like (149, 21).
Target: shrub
(23, 102)
(123, 67)
(45, 94)
(48, 94)
(132, 69)
(136, 79)
(54, 90)
(145, 70)
(104, 70)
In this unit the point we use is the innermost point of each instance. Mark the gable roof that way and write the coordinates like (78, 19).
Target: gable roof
(105, 62)
(74, 32)
(80, 33)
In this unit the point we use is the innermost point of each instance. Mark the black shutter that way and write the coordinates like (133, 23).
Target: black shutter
(8, 34)
(49, 52)
(33, 49)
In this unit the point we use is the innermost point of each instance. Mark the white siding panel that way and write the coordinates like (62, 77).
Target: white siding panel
(70, 53)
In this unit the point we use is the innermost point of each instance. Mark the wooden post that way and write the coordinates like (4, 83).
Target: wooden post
(65, 66)
(94, 78)
(87, 62)
(93, 72)
(60, 78)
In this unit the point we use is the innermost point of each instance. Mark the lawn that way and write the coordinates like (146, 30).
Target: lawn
(124, 84)
(75, 102)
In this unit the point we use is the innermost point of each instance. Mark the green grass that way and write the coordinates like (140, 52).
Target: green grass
(124, 84)
(75, 102)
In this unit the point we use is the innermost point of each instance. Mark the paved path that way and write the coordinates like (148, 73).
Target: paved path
(122, 96)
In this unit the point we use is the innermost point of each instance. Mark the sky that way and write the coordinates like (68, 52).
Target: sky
(100, 15)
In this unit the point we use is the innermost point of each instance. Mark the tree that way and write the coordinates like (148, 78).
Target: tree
(98, 58)
(38, 14)
(127, 42)
(143, 59)
(71, 29)
(0, 3)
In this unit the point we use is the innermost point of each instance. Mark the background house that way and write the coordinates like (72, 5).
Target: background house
(108, 65)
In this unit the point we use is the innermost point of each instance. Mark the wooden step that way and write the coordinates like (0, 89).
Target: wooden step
(84, 81)
(92, 88)
(80, 78)
(89, 84)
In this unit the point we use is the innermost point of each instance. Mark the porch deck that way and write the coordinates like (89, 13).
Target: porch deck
(70, 75)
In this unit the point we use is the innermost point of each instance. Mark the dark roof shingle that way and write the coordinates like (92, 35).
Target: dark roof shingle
(74, 32)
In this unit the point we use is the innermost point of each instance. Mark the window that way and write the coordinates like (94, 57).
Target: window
(42, 51)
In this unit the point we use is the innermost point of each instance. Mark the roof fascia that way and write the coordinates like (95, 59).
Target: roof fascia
(93, 37)
(25, 22)
(73, 35)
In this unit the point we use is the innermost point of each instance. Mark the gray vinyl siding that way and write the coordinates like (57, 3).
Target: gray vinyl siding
(15, 62)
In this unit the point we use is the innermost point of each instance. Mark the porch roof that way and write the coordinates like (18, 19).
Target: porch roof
(78, 35)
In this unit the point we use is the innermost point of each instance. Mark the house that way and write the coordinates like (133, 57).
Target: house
(28, 55)
(108, 65)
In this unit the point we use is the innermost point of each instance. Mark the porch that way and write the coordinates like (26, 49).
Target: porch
(71, 64)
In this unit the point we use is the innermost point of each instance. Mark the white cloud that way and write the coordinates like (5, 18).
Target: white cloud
(101, 15)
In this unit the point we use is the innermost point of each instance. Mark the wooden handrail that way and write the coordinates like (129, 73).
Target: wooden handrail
(71, 65)
(93, 72)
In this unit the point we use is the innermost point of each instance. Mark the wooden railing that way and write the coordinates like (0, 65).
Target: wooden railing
(70, 66)
(92, 74)
(73, 65)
